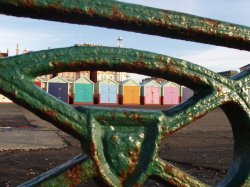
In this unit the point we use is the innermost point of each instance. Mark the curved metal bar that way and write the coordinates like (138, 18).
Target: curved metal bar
(172, 175)
(114, 59)
(20, 88)
(217, 91)
(131, 17)
(101, 131)
(105, 58)
(71, 173)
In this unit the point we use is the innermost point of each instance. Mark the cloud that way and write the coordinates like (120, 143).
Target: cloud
(225, 10)
(219, 58)
(31, 40)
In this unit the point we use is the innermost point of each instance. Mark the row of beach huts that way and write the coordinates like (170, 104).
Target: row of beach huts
(110, 92)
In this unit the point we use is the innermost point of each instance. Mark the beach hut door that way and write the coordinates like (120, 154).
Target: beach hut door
(108, 94)
(83, 93)
(152, 95)
(59, 90)
(171, 96)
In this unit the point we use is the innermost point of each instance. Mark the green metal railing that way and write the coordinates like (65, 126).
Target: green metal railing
(121, 144)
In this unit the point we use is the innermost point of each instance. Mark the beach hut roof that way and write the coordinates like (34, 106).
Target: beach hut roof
(108, 80)
(150, 82)
(83, 79)
(58, 80)
(130, 81)
(39, 79)
(165, 83)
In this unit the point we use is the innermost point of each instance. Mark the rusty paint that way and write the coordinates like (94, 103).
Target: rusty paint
(99, 130)
(194, 118)
(113, 116)
(115, 11)
(137, 117)
(168, 121)
(91, 12)
(133, 156)
(123, 176)
(74, 175)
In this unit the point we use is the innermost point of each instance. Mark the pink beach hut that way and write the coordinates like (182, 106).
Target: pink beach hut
(150, 93)
(170, 93)
(186, 93)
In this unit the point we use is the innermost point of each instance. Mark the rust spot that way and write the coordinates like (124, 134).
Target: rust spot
(136, 117)
(134, 155)
(92, 148)
(113, 116)
(123, 176)
(199, 116)
(133, 160)
(74, 175)
(104, 63)
(118, 14)
(213, 23)
(50, 113)
(76, 10)
(126, 114)
(95, 157)
(91, 12)
(101, 119)
(139, 64)
(137, 185)
(168, 168)
(30, 3)
(115, 11)
(13, 94)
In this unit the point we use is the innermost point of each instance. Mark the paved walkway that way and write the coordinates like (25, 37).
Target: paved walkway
(22, 130)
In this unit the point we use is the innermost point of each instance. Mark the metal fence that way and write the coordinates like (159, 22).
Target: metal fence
(121, 146)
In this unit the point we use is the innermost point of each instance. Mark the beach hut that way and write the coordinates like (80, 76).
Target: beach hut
(59, 88)
(150, 93)
(38, 82)
(170, 93)
(83, 91)
(4, 99)
(41, 83)
(106, 91)
(186, 93)
(129, 92)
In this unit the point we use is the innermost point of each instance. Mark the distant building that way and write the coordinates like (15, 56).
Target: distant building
(116, 76)
(72, 76)
(245, 67)
(158, 80)
(23, 52)
(4, 55)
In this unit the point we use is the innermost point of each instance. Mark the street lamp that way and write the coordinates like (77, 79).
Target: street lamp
(120, 39)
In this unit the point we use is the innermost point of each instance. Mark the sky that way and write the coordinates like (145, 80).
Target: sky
(35, 35)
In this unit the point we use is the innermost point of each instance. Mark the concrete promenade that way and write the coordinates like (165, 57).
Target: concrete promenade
(22, 130)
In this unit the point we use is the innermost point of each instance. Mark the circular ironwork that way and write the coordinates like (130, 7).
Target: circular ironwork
(122, 144)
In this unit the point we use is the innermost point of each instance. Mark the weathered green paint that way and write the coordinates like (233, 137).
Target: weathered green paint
(122, 145)
(136, 18)
(71, 173)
